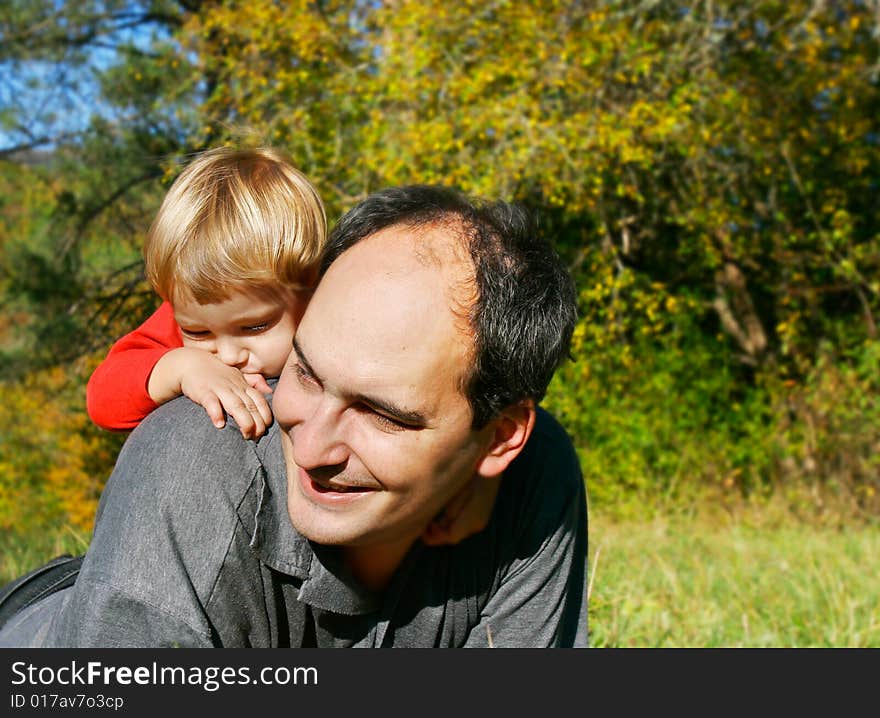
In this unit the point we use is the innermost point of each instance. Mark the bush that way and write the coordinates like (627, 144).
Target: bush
(53, 460)
(827, 434)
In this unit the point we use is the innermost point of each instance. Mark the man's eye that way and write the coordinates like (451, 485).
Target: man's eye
(305, 378)
(383, 421)
(389, 424)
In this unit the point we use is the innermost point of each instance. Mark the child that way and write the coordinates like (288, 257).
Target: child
(233, 252)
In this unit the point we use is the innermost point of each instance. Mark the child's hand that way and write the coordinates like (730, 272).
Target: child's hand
(219, 387)
(216, 386)
(466, 514)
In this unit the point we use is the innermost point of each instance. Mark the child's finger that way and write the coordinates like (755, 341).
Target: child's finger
(262, 406)
(246, 424)
(251, 412)
(258, 382)
(214, 409)
(249, 421)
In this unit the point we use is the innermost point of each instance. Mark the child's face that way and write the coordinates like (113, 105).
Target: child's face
(250, 331)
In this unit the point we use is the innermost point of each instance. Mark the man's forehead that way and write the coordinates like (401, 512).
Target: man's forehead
(389, 311)
(442, 243)
(436, 252)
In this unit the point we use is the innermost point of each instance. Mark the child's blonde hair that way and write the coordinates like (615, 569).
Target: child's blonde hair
(235, 217)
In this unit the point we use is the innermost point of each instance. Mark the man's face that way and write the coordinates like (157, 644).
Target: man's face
(377, 434)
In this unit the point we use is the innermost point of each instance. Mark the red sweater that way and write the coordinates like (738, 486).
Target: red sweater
(116, 395)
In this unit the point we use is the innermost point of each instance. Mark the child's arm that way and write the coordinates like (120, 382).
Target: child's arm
(150, 366)
(204, 379)
(116, 395)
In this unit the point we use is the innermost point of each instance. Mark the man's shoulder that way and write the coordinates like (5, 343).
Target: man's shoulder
(178, 442)
(181, 493)
(551, 447)
(533, 552)
(183, 422)
(179, 415)
(544, 483)
(548, 426)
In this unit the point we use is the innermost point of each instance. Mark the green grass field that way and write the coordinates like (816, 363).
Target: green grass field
(18, 555)
(688, 582)
(695, 583)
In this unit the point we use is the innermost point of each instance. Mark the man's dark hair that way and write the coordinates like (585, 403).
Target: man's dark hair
(525, 309)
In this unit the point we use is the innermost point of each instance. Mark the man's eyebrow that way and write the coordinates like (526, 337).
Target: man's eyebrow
(414, 418)
(302, 358)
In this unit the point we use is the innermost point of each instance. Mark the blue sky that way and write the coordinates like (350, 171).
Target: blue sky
(39, 98)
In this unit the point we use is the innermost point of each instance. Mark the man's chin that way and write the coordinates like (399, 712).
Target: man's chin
(328, 518)
(317, 534)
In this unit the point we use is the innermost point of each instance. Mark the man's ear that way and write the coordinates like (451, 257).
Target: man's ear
(509, 433)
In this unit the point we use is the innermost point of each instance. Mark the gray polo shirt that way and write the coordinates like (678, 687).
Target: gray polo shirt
(193, 547)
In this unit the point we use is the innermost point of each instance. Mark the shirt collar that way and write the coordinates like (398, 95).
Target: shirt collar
(326, 582)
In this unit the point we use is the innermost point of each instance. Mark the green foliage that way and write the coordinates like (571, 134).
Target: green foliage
(708, 170)
(826, 434)
(656, 413)
(53, 461)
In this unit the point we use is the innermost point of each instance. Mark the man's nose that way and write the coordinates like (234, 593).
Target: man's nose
(231, 352)
(317, 440)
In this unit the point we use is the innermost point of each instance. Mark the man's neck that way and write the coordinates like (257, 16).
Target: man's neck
(373, 566)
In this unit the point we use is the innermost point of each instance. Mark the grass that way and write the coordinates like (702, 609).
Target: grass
(685, 581)
(698, 582)
(19, 555)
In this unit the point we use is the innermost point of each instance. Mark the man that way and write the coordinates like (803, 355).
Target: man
(416, 369)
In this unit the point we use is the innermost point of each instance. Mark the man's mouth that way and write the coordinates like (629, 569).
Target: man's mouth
(332, 491)
(337, 488)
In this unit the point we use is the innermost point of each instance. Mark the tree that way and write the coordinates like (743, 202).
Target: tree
(724, 150)
(707, 167)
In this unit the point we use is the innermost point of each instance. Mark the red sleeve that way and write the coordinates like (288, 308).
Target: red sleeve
(116, 395)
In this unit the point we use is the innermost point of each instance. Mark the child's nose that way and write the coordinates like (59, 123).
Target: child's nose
(231, 353)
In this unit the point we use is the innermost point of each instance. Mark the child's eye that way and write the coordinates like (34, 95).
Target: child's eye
(256, 328)
(195, 333)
